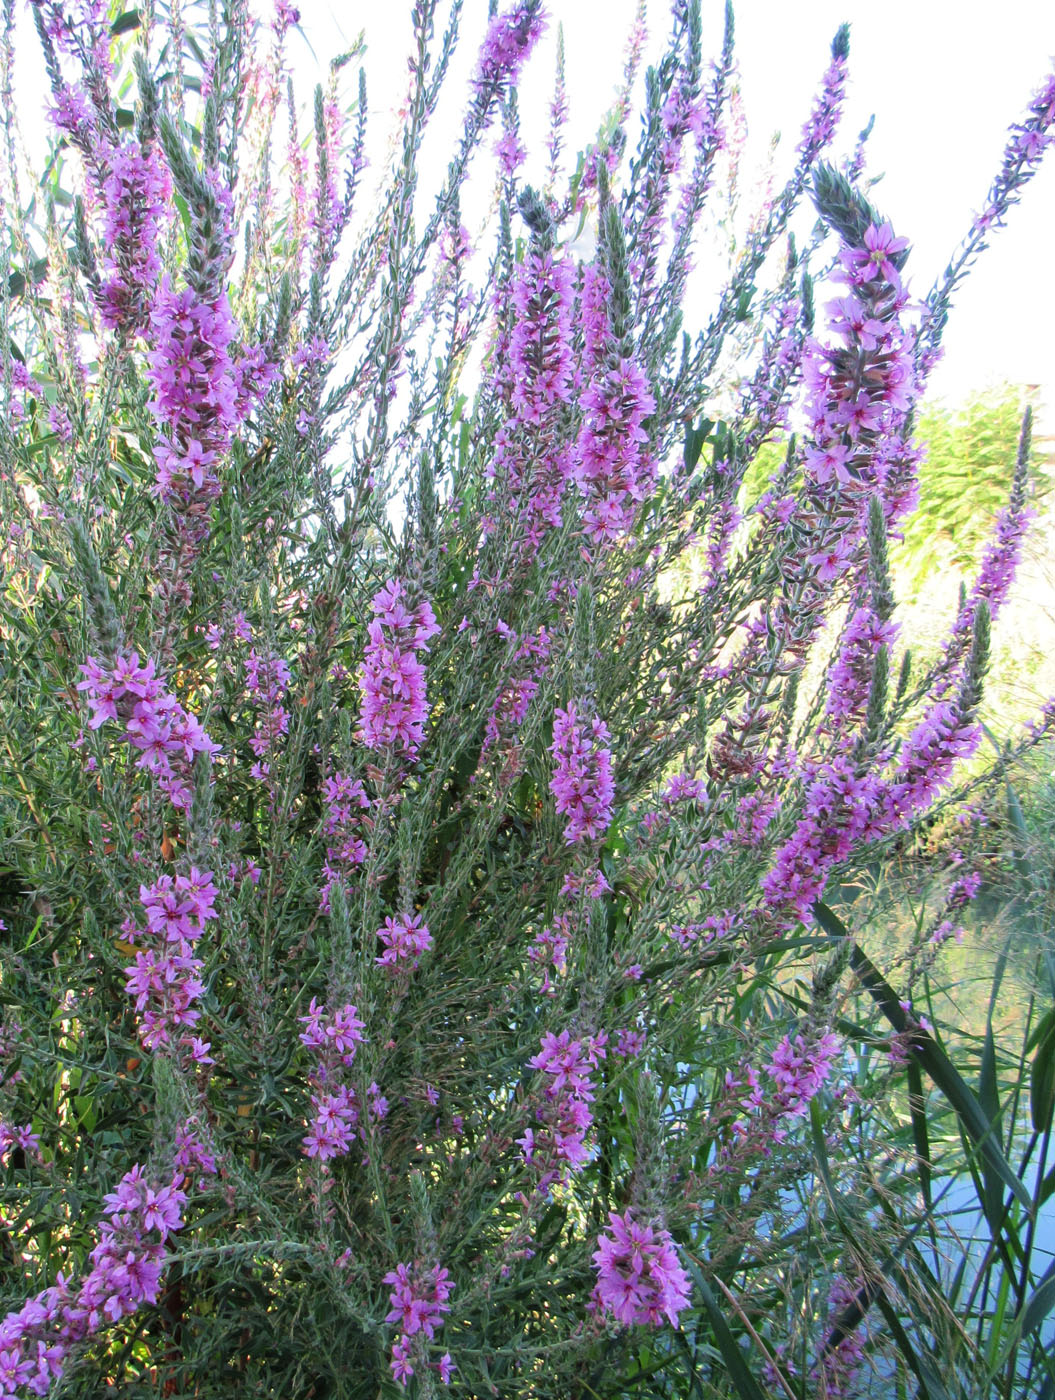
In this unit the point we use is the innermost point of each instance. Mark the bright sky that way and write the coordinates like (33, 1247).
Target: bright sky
(943, 78)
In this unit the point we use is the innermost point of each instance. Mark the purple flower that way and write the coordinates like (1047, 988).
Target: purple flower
(799, 1069)
(336, 1038)
(405, 939)
(136, 196)
(582, 784)
(167, 737)
(568, 1063)
(392, 679)
(827, 106)
(163, 979)
(875, 260)
(332, 1129)
(558, 1144)
(195, 399)
(640, 1280)
(418, 1300)
(507, 44)
(12, 1137)
(341, 1032)
(613, 470)
(417, 1303)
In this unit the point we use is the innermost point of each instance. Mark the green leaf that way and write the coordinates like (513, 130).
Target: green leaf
(184, 211)
(1041, 1303)
(695, 438)
(917, 1108)
(123, 24)
(979, 1128)
(746, 1386)
(930, 1384)
(17, 281)
(1042, 1076)
(989, 1096)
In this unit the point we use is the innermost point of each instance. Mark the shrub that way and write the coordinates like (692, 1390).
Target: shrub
(401, 885)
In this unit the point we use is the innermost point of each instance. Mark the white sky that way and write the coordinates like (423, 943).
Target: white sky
(943, 77)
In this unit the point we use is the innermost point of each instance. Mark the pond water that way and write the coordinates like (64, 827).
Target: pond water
(957, 997)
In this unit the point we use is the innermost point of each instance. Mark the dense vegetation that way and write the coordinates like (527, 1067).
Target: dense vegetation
(435, 950)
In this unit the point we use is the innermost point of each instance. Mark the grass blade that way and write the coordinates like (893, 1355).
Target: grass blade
(747, 1388)
(920, 1135)
(978, 1127)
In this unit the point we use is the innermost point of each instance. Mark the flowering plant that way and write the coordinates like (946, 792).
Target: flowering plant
(396, 859)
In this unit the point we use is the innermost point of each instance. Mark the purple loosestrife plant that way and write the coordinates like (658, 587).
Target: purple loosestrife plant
(639, 1279)
(428, 773)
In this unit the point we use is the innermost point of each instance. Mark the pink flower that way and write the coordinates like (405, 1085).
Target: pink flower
(639, 1277)
(875, 259)
(582, 783)
(405, 939)
(508, 42)
(418, 1302)
(392, 679)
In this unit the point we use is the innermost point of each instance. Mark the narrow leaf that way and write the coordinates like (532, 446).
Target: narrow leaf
(1042, 1077)
(747, 1388)
(978, 1127)
(917, 1108)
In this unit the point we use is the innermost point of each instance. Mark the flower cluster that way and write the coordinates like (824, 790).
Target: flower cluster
(267, 679)
(192, 1155)
(405, 938)
(582, 784)
(683, 787)
(164, 980)
(685, 112)
(540, 345)
(28, 385)
(997, 570)
(942, 736)
(827, 106)
(507, 44)
(126, 1267)
(843, 1354)
(1027, 142)
(799, 1069)
(557, 1146)
(860, 392)
(13, 1138)
(156, 724)
(345, 797)
(639, 1277)
(335, 1038)
(549, 950)
(195, 400)
(843, 807)
(392, 679)
(417, 1304)
(328, 216)
(850, 676)
(527, 665)
(612, 466)
(135, 197)
(530, 456)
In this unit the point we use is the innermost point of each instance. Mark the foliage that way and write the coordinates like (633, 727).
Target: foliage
(418, 973)
(965, 475)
